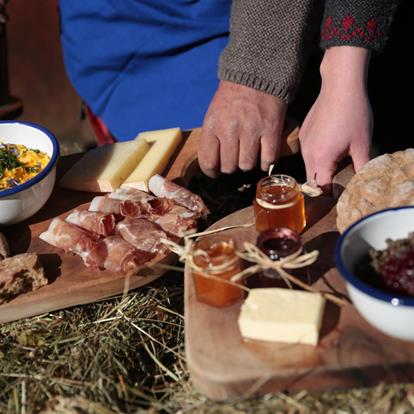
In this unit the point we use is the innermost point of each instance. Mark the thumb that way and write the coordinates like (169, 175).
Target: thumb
(359, 155)
(324, 173)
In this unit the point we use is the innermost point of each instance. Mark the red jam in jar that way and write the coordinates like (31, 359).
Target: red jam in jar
(277, 243)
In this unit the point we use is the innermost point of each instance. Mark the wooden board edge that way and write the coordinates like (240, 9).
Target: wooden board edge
(89, 295)
(310, 381)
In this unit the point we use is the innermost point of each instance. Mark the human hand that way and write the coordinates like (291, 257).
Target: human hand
(340, 121)
(240, 123)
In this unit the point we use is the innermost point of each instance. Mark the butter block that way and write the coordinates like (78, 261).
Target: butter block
(282, 315)
(104, 169)
(164, 144)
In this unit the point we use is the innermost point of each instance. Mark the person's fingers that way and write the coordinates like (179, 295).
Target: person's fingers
(249, 147)
(359, 155)
(321, 171)
(270, 149)
(209, 153)
(229, 154)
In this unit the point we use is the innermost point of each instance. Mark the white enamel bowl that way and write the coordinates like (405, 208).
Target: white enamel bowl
(24, 200)
(390, 313)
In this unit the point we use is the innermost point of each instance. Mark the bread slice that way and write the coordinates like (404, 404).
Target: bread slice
(19, 274)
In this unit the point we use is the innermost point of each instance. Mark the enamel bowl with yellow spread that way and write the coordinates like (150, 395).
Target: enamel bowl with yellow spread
(28, 156)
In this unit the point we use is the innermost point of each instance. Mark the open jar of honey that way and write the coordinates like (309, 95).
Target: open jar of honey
(279, 203)
(216, 261)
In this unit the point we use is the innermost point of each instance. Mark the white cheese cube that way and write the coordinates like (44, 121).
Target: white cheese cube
(282, 315)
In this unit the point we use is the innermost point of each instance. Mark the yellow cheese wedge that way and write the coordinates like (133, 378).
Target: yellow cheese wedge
(164, 143)
(104, 169)
(282, 315)
(153, 136)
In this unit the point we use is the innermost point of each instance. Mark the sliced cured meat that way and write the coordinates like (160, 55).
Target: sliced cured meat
(142, 234)
(120, 256)
(175, 225)
(73, 239)
(108, 205)
(149, 204)
(94, 221)
(183, 212)
(162, 187)
(160, 205)
(131, 194)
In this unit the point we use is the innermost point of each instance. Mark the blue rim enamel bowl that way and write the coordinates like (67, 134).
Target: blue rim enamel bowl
(391, 313)
(22, 201)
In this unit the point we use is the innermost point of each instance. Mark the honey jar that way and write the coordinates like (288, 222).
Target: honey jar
(216, 262)
(275, 244)
(279, 203)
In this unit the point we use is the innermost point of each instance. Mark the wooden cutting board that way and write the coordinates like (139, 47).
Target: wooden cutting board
(70, 282)
(350, 353)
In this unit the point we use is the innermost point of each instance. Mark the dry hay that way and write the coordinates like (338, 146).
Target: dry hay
(125, 355)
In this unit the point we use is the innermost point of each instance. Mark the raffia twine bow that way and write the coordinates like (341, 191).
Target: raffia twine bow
(254, 255)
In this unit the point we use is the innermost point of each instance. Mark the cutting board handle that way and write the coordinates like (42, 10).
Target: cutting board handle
(186, 163)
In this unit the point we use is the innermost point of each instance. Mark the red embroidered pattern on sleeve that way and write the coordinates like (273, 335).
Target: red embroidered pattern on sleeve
(348, 30)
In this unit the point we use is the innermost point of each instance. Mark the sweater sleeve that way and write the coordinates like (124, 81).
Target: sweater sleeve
(269, 43)
(361, 23)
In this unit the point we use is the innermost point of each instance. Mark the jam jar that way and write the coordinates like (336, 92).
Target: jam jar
(279, 203)
(217, 261)
(277, 243)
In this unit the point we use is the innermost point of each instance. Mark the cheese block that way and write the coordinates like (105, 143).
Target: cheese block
(105, 168)
(164, 144)
(153, 136)
(282, 315)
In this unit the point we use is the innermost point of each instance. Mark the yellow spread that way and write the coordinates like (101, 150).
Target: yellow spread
(19, 164)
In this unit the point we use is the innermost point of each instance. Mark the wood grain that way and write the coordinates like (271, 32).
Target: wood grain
(351, 353)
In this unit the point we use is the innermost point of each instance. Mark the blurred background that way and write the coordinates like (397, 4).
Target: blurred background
(37, 75)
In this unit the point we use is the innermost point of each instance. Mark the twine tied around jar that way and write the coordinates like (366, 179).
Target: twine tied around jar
(254, 255)
(296, 260)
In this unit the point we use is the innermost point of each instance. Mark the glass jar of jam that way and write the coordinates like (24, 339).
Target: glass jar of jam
(217, 262)
(275, 244)
(279, 203)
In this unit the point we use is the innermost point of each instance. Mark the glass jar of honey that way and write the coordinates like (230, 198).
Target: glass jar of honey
(275, 244)
(216, 262)
(279, 203)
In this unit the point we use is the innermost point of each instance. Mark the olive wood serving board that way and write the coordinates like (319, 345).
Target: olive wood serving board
(70, 282)
(350, 353)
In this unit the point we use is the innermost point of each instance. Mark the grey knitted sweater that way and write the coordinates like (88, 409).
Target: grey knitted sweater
(270, 39)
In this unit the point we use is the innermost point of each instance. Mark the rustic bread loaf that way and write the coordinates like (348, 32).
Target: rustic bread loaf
(19, 274)
(385, 181)
(4, 247)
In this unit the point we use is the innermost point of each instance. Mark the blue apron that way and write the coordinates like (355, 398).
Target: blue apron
(144, 64)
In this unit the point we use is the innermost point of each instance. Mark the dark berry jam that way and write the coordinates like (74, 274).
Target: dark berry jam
(277, 243)
(391, 269)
